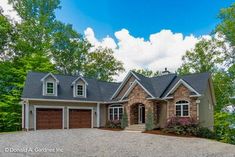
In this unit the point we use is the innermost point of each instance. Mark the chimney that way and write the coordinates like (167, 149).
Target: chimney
(165, 72)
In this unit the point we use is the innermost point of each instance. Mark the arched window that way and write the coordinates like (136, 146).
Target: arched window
(115, 112)
(182, 108)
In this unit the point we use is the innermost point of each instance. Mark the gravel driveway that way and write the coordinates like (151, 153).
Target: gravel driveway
(95, 142)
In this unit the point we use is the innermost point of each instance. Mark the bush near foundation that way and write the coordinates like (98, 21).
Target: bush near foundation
(115, 124)
(181, 126)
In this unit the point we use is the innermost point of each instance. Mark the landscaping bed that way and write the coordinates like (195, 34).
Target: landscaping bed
(160, 132)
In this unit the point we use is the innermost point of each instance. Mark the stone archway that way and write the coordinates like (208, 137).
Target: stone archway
(137, 113)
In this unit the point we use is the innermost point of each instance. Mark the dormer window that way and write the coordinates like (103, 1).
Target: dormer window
(50, 88)
(79, 87)
(80, 90)
(49, 85)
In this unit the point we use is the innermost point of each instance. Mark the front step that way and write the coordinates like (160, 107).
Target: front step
(136, 127)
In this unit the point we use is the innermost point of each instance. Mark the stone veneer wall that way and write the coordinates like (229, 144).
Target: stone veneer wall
(182, 93)
(137, 96)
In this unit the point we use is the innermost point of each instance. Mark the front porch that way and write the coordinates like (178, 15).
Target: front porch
(137, 113)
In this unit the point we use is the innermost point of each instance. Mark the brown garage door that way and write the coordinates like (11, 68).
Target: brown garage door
(79, 118)
(49, 118)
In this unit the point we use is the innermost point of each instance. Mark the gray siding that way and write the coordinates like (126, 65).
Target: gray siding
(206, 110)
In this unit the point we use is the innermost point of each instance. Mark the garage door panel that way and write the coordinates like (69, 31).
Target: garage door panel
(49, 118)
(79, 118)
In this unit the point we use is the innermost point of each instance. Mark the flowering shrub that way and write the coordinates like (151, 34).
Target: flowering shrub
(113, 124)
(181, 126)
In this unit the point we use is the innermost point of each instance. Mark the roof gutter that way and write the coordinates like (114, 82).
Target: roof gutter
(77, 101)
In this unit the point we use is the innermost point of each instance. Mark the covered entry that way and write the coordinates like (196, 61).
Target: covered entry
(137, 114)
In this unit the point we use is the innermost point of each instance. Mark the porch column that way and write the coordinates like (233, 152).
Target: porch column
(22, 118)
(27, 116)
(98, 115)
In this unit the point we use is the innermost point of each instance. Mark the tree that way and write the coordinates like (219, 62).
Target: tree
(205, 57)
(149, 121)
(124, 120)
(13, 74)
(39, 32)
(226, 27)
(69, 50)
(6, 31)
(147, 72)
(223, 87)
(34, 32)
(102, 65)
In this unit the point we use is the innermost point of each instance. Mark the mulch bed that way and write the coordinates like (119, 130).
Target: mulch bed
(160, 132)
(111, 129)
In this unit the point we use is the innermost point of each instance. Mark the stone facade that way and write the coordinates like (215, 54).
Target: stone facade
(182, 93)
(137, 96)
(162, 110)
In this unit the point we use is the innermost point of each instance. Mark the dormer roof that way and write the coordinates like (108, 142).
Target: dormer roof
(79, 78)
(50, 74)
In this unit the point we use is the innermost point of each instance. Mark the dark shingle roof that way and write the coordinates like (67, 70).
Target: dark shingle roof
(102, 91)
(155, 85)
(197, 81)
(96, 90)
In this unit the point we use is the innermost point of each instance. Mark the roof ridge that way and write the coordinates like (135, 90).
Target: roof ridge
(72, 76)
(172, 80)
(196, 73)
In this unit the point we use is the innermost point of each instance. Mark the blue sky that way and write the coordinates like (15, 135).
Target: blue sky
(142, 17)
(143, 34)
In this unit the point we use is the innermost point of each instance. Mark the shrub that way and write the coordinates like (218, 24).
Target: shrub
(205, 133)
(223, 131)
(113, 124)
(181, 126)
(124, 121)
(149, 121)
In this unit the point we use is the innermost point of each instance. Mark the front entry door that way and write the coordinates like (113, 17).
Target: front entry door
(141, 114)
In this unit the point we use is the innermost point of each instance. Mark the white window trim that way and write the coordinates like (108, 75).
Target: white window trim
(53, 107)
(118, 106)
(181, 109)
(84, 108)
(83, 90)
(53, 88)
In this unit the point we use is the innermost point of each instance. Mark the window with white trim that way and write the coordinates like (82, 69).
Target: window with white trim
(115, 112)
(80, 90)
(50, 87)
(182, 108)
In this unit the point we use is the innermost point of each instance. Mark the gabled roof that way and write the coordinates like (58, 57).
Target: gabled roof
(197, 81)
(130, 73)
(181, 81)
(79, 78)
(50, 74)
(131, 88)
(156, 87)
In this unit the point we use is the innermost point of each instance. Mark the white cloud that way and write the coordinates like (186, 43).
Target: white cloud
(107, 42)
(162, 49)
(8, 10)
